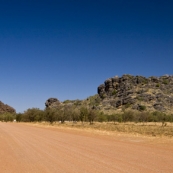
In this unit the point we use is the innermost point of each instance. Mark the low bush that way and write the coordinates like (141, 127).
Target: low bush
(7, 117)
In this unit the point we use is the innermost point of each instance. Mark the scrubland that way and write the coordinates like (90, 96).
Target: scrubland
(156, 129)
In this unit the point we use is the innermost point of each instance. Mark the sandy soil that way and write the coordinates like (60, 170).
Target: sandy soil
(35, 149)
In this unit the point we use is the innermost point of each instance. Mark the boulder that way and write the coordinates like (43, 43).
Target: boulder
(128, 100)
(52, 103)
(159, 107)
(101, 89)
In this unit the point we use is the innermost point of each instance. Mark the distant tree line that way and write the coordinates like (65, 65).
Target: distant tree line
(84, 114)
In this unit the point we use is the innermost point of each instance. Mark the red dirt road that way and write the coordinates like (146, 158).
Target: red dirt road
(30, 149)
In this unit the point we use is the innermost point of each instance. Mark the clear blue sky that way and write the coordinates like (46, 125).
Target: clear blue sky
(67, 48)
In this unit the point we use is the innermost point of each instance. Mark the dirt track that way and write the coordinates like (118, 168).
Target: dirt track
(31, 149)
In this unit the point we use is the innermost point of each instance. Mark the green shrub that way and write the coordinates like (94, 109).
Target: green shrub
(19, 117)
(102, 117)
(165, 81)
(103, 96)
(50, 115)
(139, 98)
(7, 117)
(114, 92)
(128, 116)
(157, 85)
(66, 101)
(32, 114)
(83, 114)
(127, 105)
(142, 108)
(92, 114)
(116, 118)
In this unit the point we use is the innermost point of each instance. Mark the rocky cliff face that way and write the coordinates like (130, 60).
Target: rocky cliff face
(138, 93)
(6, 108)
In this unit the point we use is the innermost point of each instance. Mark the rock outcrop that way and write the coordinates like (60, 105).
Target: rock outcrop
(129, 92)
(6, 108)
(138, 92)
(52, 103)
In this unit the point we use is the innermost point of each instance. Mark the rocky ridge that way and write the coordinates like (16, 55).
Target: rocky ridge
(128, 92)
(137, 93)
(52, 103)
(6, 108)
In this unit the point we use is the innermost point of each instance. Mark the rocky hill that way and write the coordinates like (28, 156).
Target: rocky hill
(137, 93)
(127, 92)
(6, 108)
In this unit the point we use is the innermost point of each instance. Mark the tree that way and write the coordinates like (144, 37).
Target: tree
(128, 116)
(92, 114)
(50, 115)
(101, 117)
(7, 117)
(83, 114)
(62, 115)
(18, 117)
(143, 116)
(75, 115)
(39, 115)
(30, 114)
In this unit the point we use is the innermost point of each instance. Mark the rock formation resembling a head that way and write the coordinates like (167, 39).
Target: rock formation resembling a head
(52, 103)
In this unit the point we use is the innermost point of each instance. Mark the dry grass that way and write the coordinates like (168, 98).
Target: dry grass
(147, 129)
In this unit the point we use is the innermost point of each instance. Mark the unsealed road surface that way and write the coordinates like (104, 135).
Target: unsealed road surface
(31, 149)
